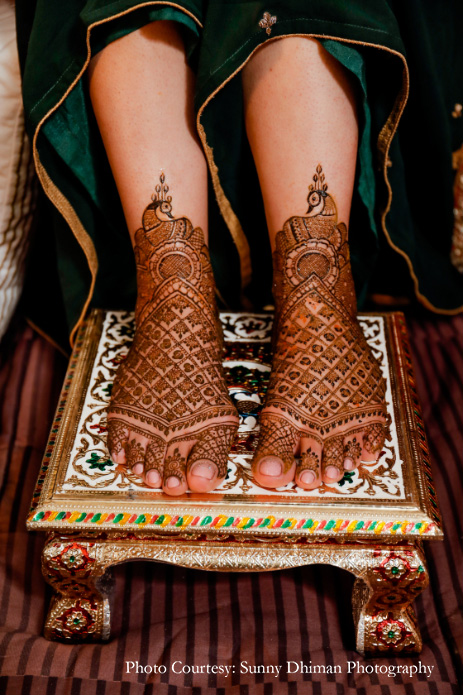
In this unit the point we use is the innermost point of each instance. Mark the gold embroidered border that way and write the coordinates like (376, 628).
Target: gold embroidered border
(384, 141)
(50, 188)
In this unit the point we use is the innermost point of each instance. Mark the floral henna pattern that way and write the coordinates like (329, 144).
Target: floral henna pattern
(135, 453)
(171, 386)
(172, 377)
(310, 461)
(324, 376)
(174, 466)
(352, 449)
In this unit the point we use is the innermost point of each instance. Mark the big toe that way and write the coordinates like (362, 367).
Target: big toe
(207, 462)
(274, 465)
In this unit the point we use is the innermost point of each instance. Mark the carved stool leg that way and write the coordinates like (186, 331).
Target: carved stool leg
(382, 597)
(79, 610)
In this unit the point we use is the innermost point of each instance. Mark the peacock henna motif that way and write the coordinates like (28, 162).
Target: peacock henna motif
(325, 383)
(171, 386)
(324, 375)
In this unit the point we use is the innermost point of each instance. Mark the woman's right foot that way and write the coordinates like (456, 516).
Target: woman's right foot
(171, 419)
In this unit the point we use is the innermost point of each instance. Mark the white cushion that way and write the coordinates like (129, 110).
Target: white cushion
(16, 171)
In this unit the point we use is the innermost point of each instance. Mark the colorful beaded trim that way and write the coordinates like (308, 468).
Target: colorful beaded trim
(236, 522)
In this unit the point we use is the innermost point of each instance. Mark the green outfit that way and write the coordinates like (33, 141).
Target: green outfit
(408, 66)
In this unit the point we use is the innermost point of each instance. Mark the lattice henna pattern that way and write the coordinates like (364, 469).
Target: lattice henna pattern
(333, 454)
(277, 438)
(172, 380)
(214, 445)
(324, 377)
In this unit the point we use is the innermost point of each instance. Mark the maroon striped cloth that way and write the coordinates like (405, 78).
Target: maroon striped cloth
(164, 614)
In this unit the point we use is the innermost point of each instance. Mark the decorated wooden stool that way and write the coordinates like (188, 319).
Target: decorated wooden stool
(372, 523)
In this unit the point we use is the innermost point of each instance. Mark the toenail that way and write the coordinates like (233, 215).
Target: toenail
(270, 467)
(204, 470)
(153, 477)
(332, 472)
(138, 469)
(172, 482)
(307, 477)
(349, 464)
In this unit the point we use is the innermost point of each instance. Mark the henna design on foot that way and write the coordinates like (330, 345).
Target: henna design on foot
(333, 457)
(352, 449)
(214, 446)
(117, 437)
(277, 438)
(308, 467)
(325, 382)
(374, 437)
(174, 467)
(171, 386)
(135, 453)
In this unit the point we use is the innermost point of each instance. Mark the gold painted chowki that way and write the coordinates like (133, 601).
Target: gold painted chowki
(97, 514)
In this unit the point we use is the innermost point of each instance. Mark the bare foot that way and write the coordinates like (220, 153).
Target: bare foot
(170, 418)
(325, 410)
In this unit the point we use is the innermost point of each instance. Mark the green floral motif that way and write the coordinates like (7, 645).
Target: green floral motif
(348, 478)
(108, 389)
(96, 462)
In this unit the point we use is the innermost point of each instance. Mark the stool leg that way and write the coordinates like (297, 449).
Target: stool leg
(382, 600)
(79, 609)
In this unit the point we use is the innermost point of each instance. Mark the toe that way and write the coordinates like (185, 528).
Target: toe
(207, 462)
(374, 436)
(333, 460)
(118, 434)
(274, 465)
(308, 472)
(352, 451)
(174, 478)
(135, 449)
(154, 462)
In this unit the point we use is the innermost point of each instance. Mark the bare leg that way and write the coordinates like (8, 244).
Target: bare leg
(325, 402)
(170, 417)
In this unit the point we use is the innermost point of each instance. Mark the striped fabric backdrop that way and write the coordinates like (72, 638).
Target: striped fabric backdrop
(164, 614)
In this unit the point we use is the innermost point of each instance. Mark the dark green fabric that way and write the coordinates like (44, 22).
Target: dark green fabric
(70, 146)
(367, 38)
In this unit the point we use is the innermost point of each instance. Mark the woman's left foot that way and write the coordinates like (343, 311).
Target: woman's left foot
(325, 409)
